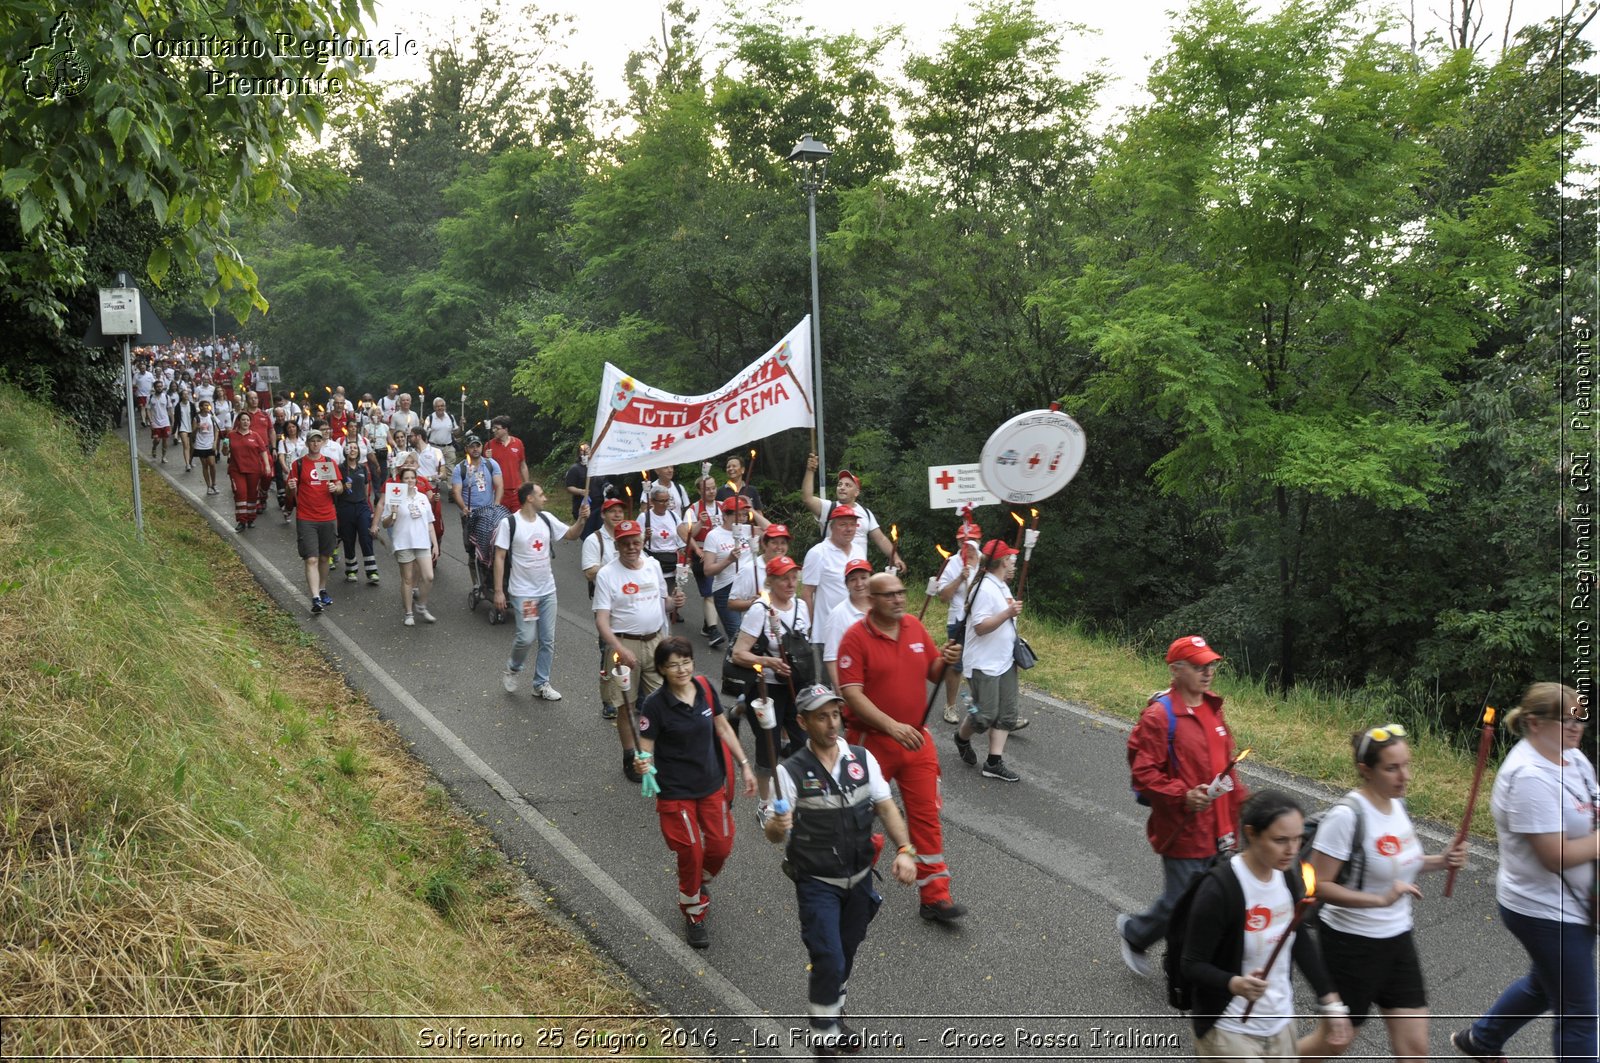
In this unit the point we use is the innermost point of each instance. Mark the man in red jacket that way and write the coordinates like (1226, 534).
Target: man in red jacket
(1179, 753)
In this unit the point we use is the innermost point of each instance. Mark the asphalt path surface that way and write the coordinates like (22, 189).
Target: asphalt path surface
(1044, 865)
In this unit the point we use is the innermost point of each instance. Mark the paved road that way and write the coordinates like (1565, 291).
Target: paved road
(1044, 865)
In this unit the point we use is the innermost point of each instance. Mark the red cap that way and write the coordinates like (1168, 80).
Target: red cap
(846, 474)
(1191, 648)
(843, 512)
(734, 503)
(995, 549)
(779, 565)
(969, 531)
(857, 565)
(776, 531)
(627, 529)
(608, 503)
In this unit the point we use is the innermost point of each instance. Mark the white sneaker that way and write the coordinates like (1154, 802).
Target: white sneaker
(410, 621)
(1137, 961)
(952, 714)
(422, 611)
(547, 692)
(508, 680)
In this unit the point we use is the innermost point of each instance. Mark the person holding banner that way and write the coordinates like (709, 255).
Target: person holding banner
(736, 487)
(848, 493)
(698, 522)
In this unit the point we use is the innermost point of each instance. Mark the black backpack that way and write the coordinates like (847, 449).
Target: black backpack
(1180, 994)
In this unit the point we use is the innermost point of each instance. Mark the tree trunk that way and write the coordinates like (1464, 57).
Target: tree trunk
(1286, 596)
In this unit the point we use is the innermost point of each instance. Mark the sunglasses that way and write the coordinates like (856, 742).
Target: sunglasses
(1387, 733)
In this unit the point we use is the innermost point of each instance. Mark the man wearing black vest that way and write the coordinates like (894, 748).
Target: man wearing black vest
(835, 790)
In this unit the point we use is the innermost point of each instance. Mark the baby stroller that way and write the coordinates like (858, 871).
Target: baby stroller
(480, 558)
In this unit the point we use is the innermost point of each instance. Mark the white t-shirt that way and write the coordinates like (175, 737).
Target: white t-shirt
(599, 549)
(224, 411)
(1533, 796)
(1394, 854)
(680, 496)
(635, 596)
(413, 519)
(376, 433)
(994, 653)
(403, 421)
(843, 617)
(824, 572)
(755, 624)
(205, 432)
(865, 524)
(1269, 908)
(529, 558)
(291, 448)
(877, 788)
(660, 533)
(441, 429)
(205, 392)
(144, 383)
(185, 413)
(719, 544)
(430, 459)
(161, 409)
(951, 573)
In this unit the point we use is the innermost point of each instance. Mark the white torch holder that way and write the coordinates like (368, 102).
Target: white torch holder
(766, 718)
(624, 676)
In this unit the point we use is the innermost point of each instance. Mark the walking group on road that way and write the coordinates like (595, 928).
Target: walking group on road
(837, 681)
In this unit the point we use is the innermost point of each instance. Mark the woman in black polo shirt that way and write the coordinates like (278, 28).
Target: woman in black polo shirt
(685, 745)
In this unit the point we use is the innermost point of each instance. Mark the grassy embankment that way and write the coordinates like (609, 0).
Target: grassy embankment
(198, 818)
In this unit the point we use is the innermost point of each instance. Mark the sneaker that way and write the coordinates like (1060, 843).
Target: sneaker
(409, 621)
(716, 640)
(508, 680)
(350, 577)
(1021, 724)
(1137, 961)
(964, 747)
(325, 599)
(372, 579)
(997, 770)
(608, 712)
(422, 611)
(288, 519)
(546, 692)
(316, 607)
(943, 912)
(1462, 1042)
(952, 714)
(850, 1042)
(696, 933)
(239, 526)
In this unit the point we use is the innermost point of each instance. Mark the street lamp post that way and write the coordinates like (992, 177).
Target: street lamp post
(812, 155)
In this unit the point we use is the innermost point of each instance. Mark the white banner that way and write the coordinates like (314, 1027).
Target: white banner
(954, 486)
(637, 427)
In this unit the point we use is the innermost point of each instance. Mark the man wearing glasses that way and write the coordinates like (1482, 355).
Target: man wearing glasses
(1180, 753)
(886, 660)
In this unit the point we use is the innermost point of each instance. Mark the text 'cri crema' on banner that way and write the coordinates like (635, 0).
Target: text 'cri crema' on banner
(640, 427)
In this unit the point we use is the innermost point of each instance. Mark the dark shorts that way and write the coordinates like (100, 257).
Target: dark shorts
(204, 453)
(1368, 971)
(317, 538)
(953, 630)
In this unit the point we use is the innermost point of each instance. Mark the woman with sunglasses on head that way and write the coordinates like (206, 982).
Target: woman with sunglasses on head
(1544, 813)
(1366, 932)
(685, 742)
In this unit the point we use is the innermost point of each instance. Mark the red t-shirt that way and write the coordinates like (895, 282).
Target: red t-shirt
(313, 500)
(261, 426)
(510, 455)
(893, 673)
(338, 425)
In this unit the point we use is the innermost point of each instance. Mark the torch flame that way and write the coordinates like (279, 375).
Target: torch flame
(758, 671)
(463, 389)
(1018, 518)
(942, 551)
(894, 532)
(1245, 752)
(327, 389)
(1488, 716)
(1310, 876)
(1033, 512)
(752, 453)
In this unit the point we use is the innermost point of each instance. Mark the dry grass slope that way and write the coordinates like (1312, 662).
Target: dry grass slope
(198, 819)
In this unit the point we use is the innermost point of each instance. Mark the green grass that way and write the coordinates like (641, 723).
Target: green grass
(198, 817)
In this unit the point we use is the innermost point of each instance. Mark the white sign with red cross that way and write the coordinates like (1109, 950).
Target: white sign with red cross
(954, 486)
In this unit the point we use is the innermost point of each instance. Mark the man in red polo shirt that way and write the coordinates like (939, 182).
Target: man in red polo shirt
(885, 662)
(508, 453)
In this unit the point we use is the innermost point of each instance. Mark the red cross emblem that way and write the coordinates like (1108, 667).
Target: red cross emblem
(944, 479)
(1033, 461)
(538, 544)
(665, 534)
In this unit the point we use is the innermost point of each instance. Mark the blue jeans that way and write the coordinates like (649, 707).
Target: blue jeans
(1561, 979)
(545, 627)
(729, 618)
(833, 923)
(1150, 926)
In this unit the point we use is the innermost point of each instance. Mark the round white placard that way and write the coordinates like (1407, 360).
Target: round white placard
(1032, 456)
